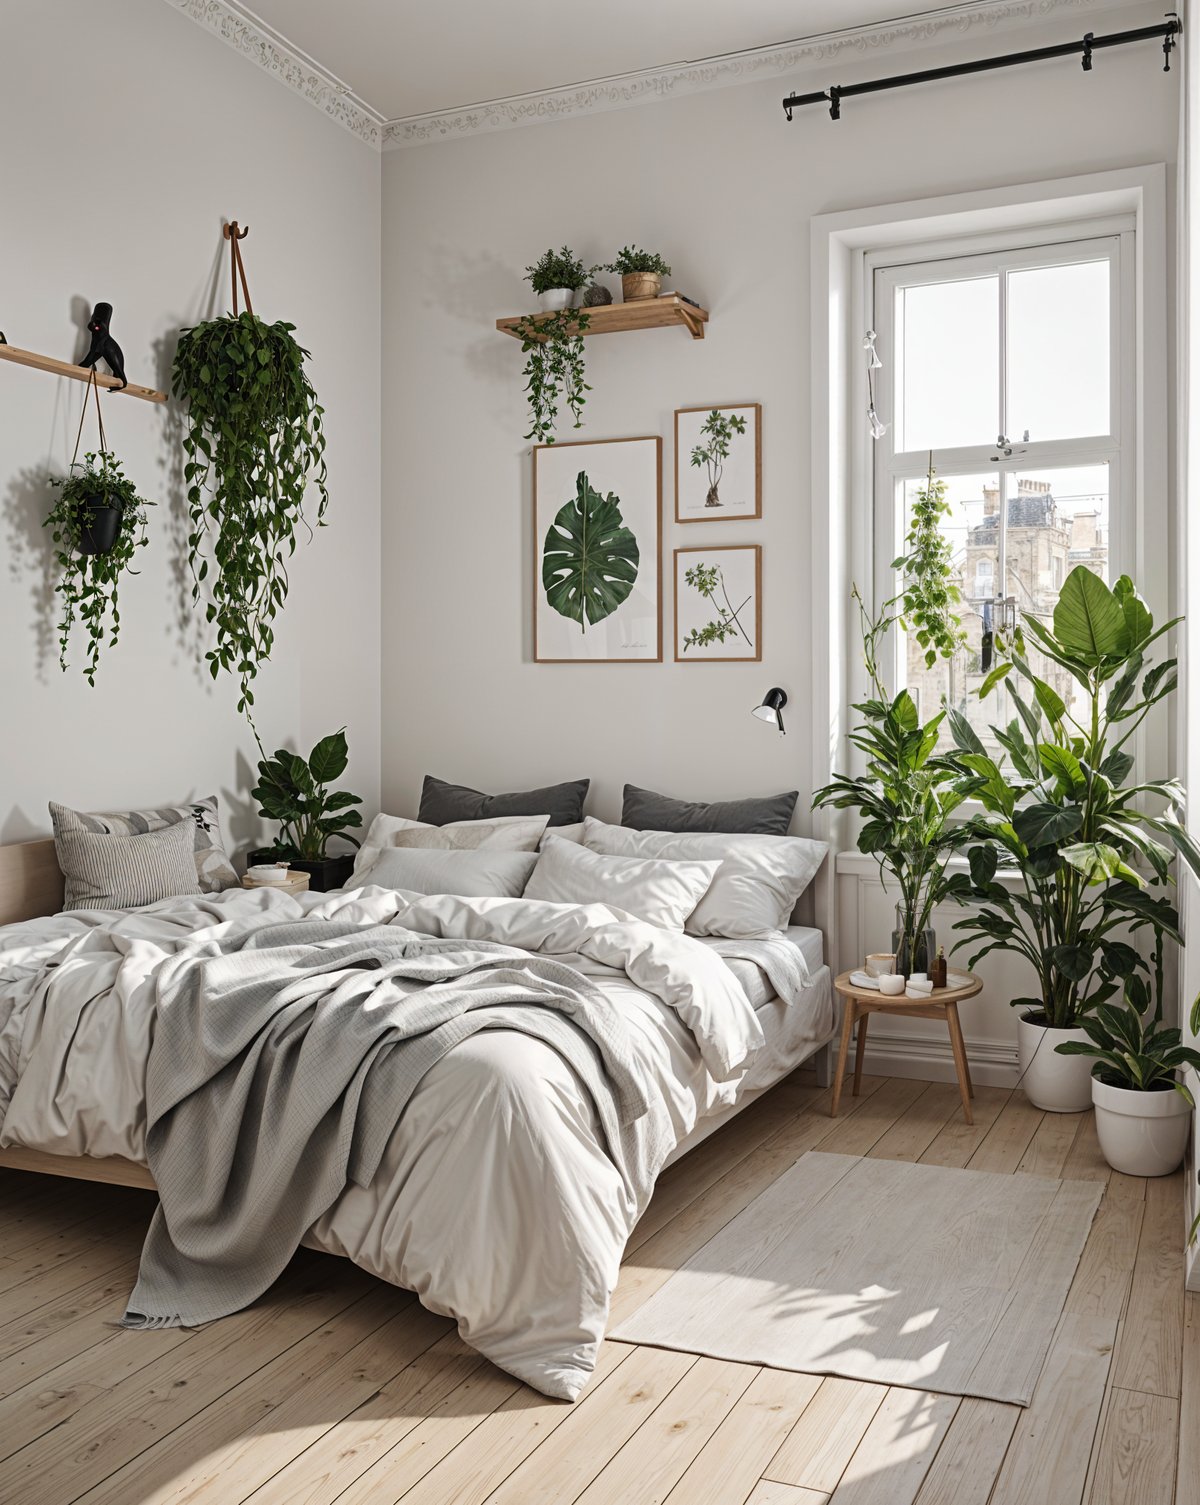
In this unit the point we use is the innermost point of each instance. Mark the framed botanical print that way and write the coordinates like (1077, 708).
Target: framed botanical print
(597, 541)
(718, 463)
(718, 604)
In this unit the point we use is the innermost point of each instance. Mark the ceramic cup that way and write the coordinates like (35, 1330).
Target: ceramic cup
(880, 964)
(918, 977)
(892, 984)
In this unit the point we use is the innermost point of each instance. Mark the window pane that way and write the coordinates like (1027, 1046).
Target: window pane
(1058, 352)
(948, 364)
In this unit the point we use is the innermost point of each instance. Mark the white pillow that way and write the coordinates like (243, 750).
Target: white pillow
(505, 833)
(756, 888)
(470, 875)
(572, 833)
(664, 893)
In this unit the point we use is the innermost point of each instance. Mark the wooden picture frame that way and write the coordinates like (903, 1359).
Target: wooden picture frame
(691, 483)
(619, 468)
(694, 614)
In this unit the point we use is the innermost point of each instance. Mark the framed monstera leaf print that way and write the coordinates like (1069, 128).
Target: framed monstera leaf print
(597, 532)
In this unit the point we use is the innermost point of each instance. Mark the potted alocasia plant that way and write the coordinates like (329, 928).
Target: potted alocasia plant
(1090, 861)
(1143, 1108)
(295, 792)
(641, 273)
(556, 276)
(908, 795)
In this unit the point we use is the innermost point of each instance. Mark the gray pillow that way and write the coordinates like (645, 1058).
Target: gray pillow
(442, 802)
(482, 873)
(122, 872)
(764, 815)
(214, 871)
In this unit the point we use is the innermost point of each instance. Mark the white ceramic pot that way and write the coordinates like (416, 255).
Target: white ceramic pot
(1059, 1084)
(555, 298)
(1141, 1133)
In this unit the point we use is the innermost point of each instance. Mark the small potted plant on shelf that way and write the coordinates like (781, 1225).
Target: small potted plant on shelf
(296, 793)
(641, 273)
(908, 796)
(556, 277)
(1142, 1107)
(1088, 865)
(98, 523)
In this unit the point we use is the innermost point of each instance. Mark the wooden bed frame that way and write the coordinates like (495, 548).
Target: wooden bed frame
(31, 885)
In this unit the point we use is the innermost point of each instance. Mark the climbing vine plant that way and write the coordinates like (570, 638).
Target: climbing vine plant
(554, 368)
(254, 441)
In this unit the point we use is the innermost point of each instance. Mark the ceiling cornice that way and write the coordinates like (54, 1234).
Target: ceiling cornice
(251, 38)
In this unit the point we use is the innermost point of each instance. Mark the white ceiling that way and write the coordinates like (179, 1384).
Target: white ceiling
(410, 57)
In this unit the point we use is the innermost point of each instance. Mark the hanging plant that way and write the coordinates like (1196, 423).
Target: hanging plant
(554, 368)
(98, 523)
(254, 440)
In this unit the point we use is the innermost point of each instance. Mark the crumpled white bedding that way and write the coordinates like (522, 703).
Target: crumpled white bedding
(495, 1201)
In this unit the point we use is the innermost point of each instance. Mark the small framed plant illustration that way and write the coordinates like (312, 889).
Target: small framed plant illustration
(718, 604)
(718, 463)
(597, 539)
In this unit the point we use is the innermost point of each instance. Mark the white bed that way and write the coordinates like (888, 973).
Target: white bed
(495, 1200)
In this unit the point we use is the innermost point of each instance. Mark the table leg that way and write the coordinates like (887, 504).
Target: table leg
(843, 1051)
(960, 1060)
(860, 1051)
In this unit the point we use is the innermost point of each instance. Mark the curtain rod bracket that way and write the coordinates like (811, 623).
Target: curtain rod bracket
(1087, 52)
(835, 103)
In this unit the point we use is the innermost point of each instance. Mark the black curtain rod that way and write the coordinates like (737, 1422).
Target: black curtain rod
(1168, 30)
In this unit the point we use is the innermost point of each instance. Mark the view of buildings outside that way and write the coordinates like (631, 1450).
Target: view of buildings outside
(1056, 520)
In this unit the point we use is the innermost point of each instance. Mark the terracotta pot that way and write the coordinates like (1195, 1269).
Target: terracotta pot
(635, 285)
(1059, 1084)
(99, 533)
(1141, 1133)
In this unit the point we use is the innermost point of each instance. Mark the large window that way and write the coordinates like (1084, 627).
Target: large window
(1013, 369)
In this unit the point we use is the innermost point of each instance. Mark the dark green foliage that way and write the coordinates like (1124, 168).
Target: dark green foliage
(929, 596)
(296, 794)
(558, 269)
(554, 368)
(255, 438)
(590, 559)
(89, 583)
(1091, 860)
(630, 259)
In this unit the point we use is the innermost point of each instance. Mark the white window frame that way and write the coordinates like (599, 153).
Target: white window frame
(888, 269)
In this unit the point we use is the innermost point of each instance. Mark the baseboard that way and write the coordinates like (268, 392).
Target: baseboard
(993, 1062)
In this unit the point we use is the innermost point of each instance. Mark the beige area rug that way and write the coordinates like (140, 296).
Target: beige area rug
(917, 1275)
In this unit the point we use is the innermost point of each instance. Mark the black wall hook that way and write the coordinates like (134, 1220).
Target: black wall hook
(1087, 52)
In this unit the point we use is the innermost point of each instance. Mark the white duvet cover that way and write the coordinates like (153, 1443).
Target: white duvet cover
(496, 1201)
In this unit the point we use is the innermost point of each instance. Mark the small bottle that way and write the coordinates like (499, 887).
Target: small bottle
(938, 973)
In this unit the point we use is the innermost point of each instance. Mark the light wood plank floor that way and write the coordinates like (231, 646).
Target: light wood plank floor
(339, 1388)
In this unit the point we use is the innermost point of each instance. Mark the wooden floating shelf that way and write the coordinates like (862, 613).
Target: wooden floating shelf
(613, 318)
(77, 373)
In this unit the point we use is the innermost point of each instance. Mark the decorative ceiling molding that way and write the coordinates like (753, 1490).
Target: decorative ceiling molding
(252, 39)
(274, 55)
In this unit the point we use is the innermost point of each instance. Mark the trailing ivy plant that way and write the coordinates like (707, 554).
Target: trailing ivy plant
(255, 438)
(930, 595)
(89, 583)
(554, 368)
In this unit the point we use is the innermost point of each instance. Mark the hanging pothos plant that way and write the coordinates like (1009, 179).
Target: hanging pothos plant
(254, 440)
(554, 368)
(98, 523)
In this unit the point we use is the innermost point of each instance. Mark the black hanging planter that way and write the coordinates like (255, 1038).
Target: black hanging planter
(99, 525)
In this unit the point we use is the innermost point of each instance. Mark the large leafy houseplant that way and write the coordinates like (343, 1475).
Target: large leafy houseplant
(254, 441)
(295, 793)
(1090, 852)
(92, 567)
(908, 796)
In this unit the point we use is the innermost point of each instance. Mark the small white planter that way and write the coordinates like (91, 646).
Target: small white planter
(1059, 1084)
(555, 298)
(1141, 1133)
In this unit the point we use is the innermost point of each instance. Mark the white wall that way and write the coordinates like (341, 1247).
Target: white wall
(725, 189)
(129, 134)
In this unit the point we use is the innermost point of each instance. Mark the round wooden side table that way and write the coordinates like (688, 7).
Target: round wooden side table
(942, 1003)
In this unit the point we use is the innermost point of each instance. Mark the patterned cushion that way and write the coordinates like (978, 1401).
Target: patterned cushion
(120, 872)
(214, 871)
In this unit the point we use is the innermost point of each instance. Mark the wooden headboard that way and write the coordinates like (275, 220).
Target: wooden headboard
(31, 883)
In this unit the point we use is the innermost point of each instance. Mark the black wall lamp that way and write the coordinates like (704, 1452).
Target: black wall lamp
(771, 709)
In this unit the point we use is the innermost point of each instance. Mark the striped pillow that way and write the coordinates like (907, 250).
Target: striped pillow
(122, 872)
(213, 868)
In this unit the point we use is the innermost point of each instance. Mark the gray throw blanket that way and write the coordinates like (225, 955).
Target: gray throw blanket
(281, 1064)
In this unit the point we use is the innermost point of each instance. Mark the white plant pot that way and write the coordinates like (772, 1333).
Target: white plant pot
(1059, 1084)
(1141, 1133)
(555, 298)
